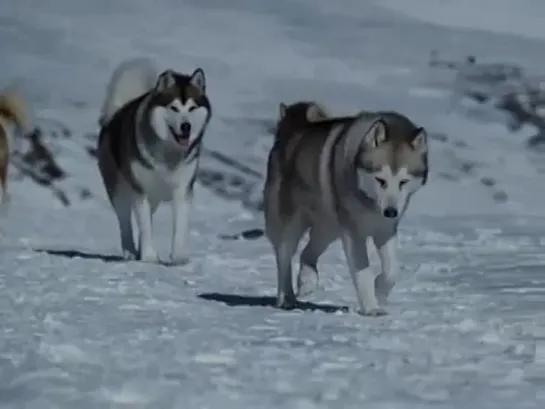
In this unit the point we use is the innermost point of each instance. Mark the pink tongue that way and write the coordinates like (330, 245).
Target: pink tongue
(182, 138)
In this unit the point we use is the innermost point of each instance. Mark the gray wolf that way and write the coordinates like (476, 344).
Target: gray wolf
(346, 177)
(152, 127)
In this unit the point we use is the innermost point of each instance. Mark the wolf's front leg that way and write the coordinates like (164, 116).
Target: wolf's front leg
(387, 250)
(143, 219)
(181, 207)
(363, 277)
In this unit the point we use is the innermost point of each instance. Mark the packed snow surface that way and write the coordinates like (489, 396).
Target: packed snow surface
(466, 324)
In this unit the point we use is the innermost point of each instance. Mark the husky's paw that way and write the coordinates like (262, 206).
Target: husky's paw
(285, 302)
(178, 261)
(149, 256)
(128, 255)
(373, 312)
(382, 299)
(307, 281)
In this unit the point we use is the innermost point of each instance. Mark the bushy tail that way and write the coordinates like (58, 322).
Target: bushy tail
(13, 107)
(130, 79)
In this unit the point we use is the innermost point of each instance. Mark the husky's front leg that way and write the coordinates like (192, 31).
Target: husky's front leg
(319, 240)
(387, 250)
(181, 206)
(142, 212)
(363, 277)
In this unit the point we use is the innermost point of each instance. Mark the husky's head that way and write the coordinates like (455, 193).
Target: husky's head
(392, 163)
(180, 109)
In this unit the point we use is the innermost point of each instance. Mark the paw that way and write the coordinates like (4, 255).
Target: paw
(307, 281)
(149, 255)
(128, 255)
(285, 302)
(382, 299)
(373, 312)
(178, 260)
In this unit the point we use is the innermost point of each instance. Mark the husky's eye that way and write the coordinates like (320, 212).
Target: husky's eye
(174, 108)
(381, 182)
(403, 182)
(192, 108)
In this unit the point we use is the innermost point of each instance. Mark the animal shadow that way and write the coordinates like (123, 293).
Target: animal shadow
(108, 258)
(236, 300)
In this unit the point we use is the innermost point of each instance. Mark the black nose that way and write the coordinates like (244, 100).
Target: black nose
(390, 212)
(185, 128)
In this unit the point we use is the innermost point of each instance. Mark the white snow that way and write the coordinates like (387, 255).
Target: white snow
(82, 329)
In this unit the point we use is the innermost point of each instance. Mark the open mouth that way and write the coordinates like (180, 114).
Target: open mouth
(181, 137)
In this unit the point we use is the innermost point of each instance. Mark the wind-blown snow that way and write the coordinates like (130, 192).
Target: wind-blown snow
(80, 328)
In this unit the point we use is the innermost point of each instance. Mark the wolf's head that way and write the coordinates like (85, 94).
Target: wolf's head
(392, 163)
(180, 108)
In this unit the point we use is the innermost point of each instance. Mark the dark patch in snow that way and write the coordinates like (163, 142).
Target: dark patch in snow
(236, 300)
(107, 258)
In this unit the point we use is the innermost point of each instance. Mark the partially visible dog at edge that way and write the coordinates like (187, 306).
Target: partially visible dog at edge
(13, 111)
(152, 127)
(346, 177)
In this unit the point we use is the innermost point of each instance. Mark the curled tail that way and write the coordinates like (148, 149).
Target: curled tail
(298, 115)
(13, 108)
(130, 79)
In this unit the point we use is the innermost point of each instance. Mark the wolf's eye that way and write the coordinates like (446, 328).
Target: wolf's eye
(403, 182)
(174, 108)
(381, 182)
(192, 108)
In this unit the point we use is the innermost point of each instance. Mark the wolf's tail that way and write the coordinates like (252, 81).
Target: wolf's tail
(13, 107)
(130, 79)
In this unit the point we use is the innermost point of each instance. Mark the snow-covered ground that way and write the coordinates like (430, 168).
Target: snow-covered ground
(467, 325)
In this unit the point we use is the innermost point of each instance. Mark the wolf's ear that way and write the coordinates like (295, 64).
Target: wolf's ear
(376, 134)
(420, 140)
(198, 80)
(315, 113)
(165, 81)
(282, 108)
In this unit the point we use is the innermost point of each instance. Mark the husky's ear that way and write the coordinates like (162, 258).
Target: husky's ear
(420, 140)
(165, 81)
(376, 134)
(315, 113)
(282, 108)
(198, 80)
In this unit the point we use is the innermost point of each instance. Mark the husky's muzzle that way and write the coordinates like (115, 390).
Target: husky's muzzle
(390, 212)
(182, 136)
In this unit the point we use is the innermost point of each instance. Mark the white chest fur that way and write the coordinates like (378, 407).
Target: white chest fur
(160, 182)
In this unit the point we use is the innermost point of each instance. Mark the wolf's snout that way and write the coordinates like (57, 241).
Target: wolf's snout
(390, 212)
(185, 129)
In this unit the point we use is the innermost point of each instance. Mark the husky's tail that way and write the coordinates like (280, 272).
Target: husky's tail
(130, 79)
(13, 108)
(297, 115)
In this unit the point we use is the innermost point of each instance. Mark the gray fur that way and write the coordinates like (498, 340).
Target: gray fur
(312, 185)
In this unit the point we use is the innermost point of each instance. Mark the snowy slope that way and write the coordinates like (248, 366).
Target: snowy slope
(83, 329)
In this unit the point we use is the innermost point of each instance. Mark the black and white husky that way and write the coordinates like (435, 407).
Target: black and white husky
(149, 145)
